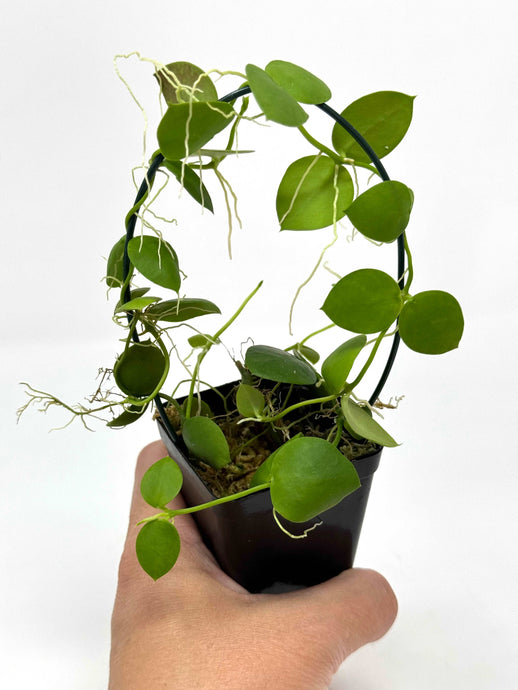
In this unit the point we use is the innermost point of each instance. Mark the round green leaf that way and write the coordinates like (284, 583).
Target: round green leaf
(298, 82)
(206, 441)
(361, 422)
(278, 365)
(311, 204)
(309, 476)
(382, 118)
(161, 483)
(114, 272)
(431, 322)
(188, 75)
(336, 367)
(203, 120)
(177, 310)
(308, 352)
(365, 301)
(139, 369)
(250, 401)
(275, 102)
(156, 260)
(191, 183)
(130, 415)
(158, 547)
(383, 211)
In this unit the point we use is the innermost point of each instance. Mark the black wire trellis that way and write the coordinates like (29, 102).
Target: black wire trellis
(146, 186)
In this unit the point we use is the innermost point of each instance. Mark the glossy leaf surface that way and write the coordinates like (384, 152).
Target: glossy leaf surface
(364, 425)
(114, 272)
(161, 483)
(188, 75)
(156, 260)
(139, 369)
(298, 82)
(275, 102)
(158, 547)
(336, 367)
(176, 310)
(309, 476)
(250, 401)
(135, 292)
(308, 352)
(306, 194)
(192, 183)
(383, 211)
(129, 416)
(206, 441)
(383, 118)
(278, 365)
(204, 120)
(136, 303)
(431, 322)
(364, 301)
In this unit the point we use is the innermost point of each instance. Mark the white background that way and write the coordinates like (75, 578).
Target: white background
(441, 520)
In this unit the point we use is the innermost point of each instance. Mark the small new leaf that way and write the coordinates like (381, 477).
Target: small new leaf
(364, 425)
(158, 547)
(205, 440)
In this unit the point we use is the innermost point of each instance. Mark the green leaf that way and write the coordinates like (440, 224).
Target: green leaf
(383, 211)
(365, 301)
(263, 474)
(177, 310)
(156, 260)
(191, 183)
(382, 118)
(158, 547)
(130, 415)
(161, 483)
(199, 407)
(188, 75)
(298, 82)
(135, 292)
(336, 367)
(364, 425)
(201, 340)
(431, 322)
(250, 401)
(308, 352)
(306, 194)
(309, 476)
(114, 272)
(206, 441)
(204, 120)
(136, 304)
(278, 365)
(274, 101)
(139, 369)
(218, 154)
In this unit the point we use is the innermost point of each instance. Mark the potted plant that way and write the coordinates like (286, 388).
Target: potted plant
(276, 466)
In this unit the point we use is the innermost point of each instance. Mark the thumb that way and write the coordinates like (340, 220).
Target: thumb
(348, 611)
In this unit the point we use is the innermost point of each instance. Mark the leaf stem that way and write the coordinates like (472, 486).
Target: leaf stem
(218, 501)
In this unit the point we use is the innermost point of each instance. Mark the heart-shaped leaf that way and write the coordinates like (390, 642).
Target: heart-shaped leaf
(336, 367)
(156, 260)
(206, 441)
(139, 369)
(307, 198)
(383, 211)
(161, 483)
(364, 301)
(191, 183)
(382, 118)
(177, 310)
(158, 547)
(278, 365)
(186, 74)
(186, 127)
(275, 102)
(308, 476)
(431, 322)
(364, 425)
(298, 82)
(250, 401)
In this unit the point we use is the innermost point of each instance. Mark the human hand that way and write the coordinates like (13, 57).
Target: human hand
(197, 629)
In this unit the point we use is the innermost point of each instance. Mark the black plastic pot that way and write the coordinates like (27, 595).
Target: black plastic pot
(250, 546)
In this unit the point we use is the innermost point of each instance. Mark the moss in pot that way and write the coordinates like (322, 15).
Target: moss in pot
(276, 466)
